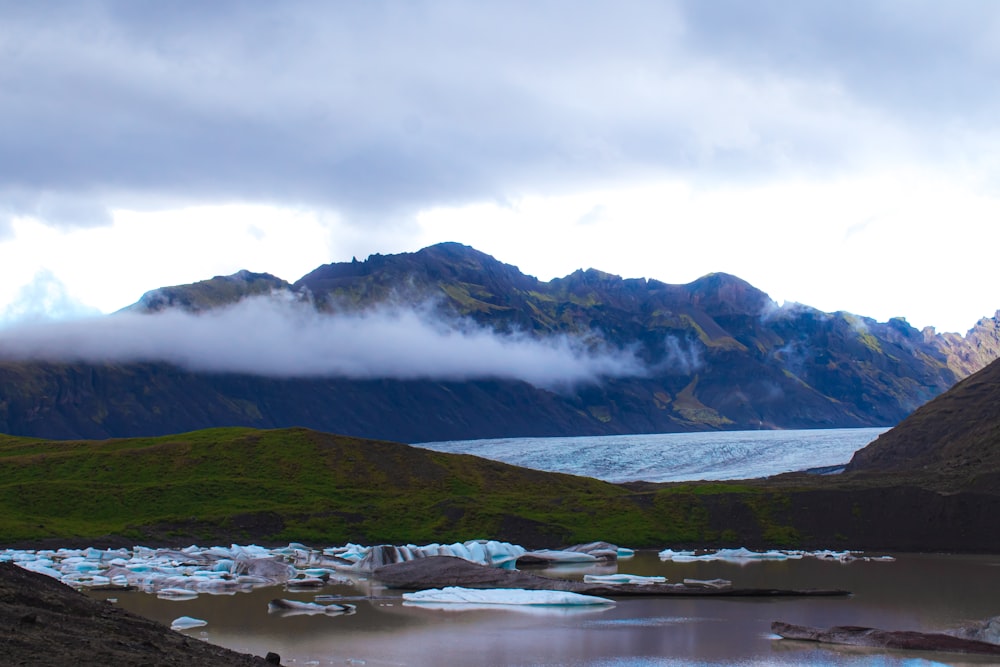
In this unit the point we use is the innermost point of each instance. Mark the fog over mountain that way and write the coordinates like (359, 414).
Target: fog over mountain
(450, 343)
(280, 336)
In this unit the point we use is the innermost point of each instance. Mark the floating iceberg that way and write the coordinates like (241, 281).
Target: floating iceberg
(615, 579)
(741, 555)
(501, 596)
(186, 622)
(186, 572)
(484, 552)
(176, 594)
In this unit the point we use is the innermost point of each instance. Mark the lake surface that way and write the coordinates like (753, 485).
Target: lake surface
(916, 592)
(674, 457)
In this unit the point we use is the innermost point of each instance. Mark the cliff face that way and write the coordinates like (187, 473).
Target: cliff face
(967, 354)
(716, 353)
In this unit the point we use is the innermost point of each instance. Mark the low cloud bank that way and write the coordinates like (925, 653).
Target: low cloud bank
(280, 338)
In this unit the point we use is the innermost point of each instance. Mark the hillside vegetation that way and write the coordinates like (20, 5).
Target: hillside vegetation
(244, 485)
(283, 485)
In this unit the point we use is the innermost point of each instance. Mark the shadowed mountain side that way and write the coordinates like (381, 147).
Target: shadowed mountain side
(98, 401)
(270, 487)
(955, 438)
(635, 356)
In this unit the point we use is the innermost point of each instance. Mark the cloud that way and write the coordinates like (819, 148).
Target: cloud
(281, 337)
(380, 109)
(681, 358)
(45, 298)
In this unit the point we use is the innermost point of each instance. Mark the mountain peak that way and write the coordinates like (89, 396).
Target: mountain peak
(724, 293)
(207, 294)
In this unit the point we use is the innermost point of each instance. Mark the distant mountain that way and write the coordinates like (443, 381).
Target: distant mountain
(716, 353)
(209, 294)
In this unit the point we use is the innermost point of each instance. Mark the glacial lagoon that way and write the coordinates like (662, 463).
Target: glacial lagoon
(915, 592)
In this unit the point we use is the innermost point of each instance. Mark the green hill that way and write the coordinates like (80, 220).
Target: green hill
(244, 485)
(283, 485)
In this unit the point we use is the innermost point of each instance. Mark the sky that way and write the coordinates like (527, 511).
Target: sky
(843, 155)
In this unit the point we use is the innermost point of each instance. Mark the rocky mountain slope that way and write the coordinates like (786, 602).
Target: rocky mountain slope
(954, 438)
(716, 353)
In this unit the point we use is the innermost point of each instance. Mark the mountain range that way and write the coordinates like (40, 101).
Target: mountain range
(470, 347)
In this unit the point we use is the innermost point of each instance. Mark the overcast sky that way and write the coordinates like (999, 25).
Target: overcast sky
(845, 155)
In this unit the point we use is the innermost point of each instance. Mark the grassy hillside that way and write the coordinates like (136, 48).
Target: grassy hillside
(300, 483)
(243, 485)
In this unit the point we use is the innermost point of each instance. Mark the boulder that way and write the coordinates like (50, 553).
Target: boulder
(906, 640)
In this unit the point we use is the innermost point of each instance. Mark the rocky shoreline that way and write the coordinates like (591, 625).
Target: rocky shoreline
(48, 624)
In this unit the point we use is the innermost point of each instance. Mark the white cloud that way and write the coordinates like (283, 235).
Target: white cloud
(44, 298)
(148, 144)
(110, 267)
(281, 337)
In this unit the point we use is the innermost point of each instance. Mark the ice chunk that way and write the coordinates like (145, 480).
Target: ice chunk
(186, 622)
(497, 554)
(501, 596)
(841, 556)
(305, 582)
(284, 607)
(741, 555)
(622, 579)
(176, 594)
(552, 557)
(709, 583)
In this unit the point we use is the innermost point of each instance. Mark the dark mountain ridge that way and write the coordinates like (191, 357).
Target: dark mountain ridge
(717, 353)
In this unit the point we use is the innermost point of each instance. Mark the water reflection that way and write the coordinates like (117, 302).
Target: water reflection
(917, 592)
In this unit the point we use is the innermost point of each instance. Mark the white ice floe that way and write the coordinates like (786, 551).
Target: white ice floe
(501, 596)
(186, 622)
(741, 555)
(176, 594)
(218, 570)
(225, 570)
(621, 578)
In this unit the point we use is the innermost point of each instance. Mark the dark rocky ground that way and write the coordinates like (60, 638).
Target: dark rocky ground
(44, 622)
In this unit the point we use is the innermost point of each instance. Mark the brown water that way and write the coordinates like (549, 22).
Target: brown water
(917, 592)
